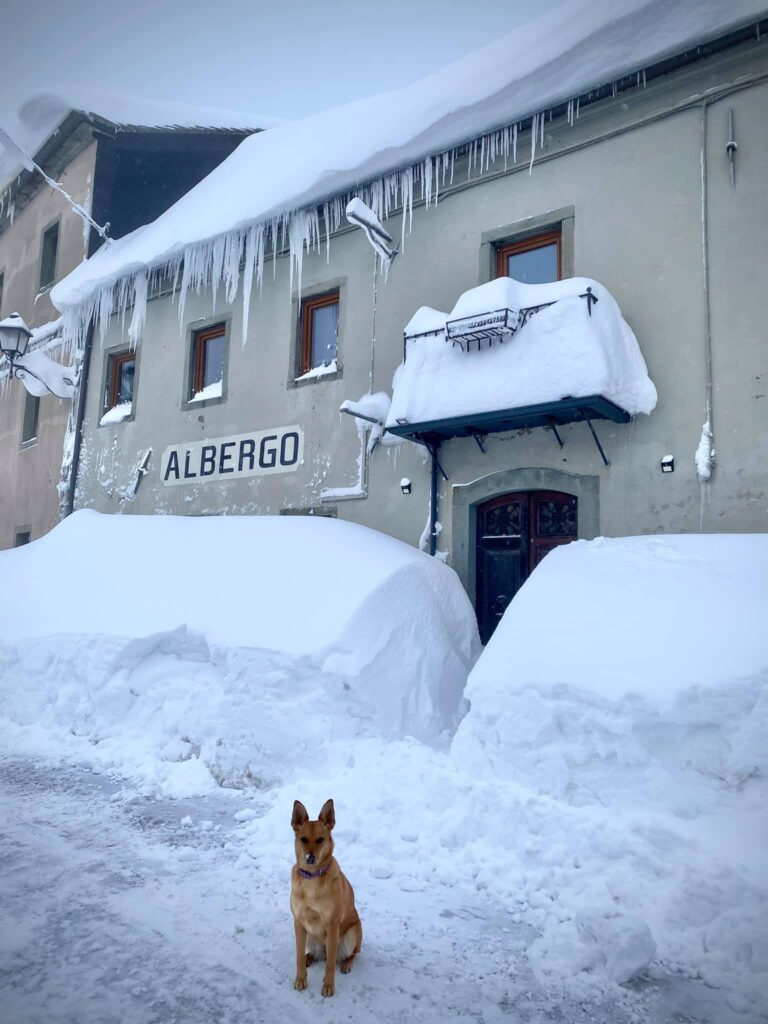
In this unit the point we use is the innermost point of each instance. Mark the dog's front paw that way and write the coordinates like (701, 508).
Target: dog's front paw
(328, 988)
(301, 982)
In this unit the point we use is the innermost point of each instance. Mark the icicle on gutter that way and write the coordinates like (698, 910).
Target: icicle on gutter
(217, 263)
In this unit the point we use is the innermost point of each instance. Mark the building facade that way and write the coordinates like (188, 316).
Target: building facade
(125, 175)
(643, 192)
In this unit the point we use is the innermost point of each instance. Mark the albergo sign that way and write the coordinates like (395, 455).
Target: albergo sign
(279, 450)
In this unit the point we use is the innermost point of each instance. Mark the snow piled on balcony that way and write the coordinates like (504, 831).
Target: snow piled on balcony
(284, 187)
(562, 351)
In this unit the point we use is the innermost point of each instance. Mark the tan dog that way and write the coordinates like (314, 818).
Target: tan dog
(324, 916)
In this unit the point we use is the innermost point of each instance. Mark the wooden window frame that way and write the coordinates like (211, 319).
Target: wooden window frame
(538, 241)
(116, 360)
(308, 306)
(200, 341)
(46, 231)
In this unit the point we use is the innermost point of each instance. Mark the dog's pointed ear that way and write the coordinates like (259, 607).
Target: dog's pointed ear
(300, 815)
(328, 815)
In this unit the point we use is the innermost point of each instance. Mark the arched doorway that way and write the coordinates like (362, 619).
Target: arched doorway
(513, 533)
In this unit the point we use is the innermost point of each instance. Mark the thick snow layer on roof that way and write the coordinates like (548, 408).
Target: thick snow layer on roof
(41, 115)
(556, 57)
(355, 601)
(562, 351)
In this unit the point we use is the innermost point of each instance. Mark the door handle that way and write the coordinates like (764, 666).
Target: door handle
(500, 605)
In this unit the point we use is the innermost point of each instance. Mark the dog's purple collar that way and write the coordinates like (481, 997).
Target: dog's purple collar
(313, 874)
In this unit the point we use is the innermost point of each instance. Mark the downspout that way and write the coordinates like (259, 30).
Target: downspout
(433, 501)
(708, 379)
(69, 506)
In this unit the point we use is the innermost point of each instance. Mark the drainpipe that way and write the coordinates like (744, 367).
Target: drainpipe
(708, 386)
(82, 394)
(433, 501)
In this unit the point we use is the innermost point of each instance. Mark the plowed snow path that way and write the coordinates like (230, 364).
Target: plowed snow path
(112, 910)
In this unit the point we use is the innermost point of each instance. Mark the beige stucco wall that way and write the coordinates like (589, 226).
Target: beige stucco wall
(28, 477)
(630, 169)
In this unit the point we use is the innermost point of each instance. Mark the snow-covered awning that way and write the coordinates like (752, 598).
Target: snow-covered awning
(512, 356)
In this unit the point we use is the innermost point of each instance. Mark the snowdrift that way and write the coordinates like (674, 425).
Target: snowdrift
(340, 608)
(562, 351)
(627, 684)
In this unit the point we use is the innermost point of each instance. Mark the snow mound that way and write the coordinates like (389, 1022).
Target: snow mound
(562, 351)
(627, 684)
(344, 598)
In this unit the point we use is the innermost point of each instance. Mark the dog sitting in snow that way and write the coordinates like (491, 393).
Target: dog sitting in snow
(325, 920)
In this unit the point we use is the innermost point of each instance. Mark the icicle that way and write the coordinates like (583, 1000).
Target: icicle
(250, 262)
(139, 308)
(514, 143)
(534, 133)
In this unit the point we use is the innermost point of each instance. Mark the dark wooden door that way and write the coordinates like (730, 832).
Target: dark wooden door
(514, 533)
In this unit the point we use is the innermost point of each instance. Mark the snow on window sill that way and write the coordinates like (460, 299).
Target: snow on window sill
(116, 414)
(211, 391)
(318, 371)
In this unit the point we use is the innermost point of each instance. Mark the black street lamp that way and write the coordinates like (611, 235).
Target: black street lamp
(14, 338)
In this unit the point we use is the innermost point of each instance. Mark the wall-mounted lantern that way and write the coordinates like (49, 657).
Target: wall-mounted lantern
(405, 485)
(668, 464)
(14, 338)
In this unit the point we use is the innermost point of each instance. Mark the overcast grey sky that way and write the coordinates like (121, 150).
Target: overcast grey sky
(282, 58)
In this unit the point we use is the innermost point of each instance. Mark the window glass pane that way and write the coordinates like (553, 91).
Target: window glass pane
(22, 537)
(535, 266)
(29, 422)
(324, 331)
(125, 372)
(213, 361)
(48, 259)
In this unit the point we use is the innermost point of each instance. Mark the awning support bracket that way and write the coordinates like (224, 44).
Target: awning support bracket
(595, 437)
(554, 431)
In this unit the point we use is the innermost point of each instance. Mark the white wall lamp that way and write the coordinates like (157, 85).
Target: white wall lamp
(405, 485)
(668, 464)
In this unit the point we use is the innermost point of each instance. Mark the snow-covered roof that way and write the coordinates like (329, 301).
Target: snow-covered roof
(286, 172)
(565, 350)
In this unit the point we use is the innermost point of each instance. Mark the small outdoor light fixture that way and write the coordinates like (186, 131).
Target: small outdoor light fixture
(405, 485)
(14, 338)
(668, 464)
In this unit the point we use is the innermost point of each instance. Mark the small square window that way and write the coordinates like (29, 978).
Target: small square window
(22, 537)
(48, 255)
(533, 260)
(319, 331)
(30, 418)
(207, 364)
(118, 392)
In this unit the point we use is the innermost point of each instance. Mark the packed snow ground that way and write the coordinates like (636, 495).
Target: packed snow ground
(122, 908)
(612, 819)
